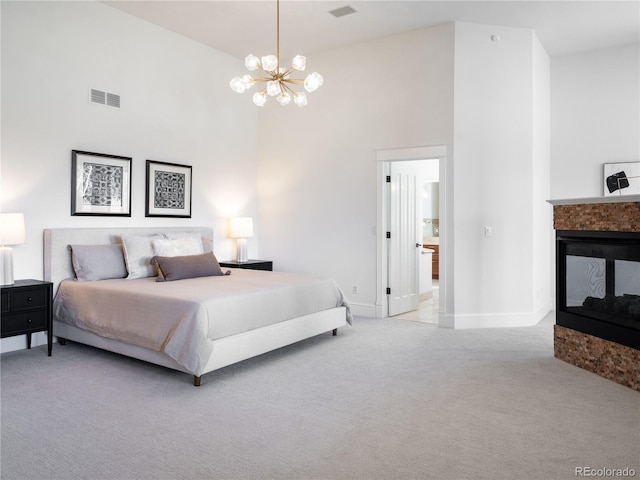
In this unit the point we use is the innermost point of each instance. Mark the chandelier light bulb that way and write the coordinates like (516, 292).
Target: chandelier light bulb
(248, 81)
(269, 63)
(284, 98)
(237, 85)
(313, 82)
(284, 73)
(273, 88)
(252, 62)
(299, 62)
(300, 99)
(260, 98)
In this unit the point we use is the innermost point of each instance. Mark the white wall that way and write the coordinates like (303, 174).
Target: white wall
(176, 107)
(500, 166)
(595, 117)
(317, 172)
(542, 255)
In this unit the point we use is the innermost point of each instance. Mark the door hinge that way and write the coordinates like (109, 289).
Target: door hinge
(388, 291)
(388, 178)
(388, 234)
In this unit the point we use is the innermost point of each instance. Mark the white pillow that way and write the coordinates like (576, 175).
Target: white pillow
(207, 244)
(188, 245)
(138, 251)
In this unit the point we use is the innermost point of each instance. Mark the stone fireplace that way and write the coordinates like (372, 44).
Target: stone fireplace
(598, 286)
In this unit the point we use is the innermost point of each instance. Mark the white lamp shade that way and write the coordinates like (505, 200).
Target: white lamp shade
(241, 227)
(12, 230)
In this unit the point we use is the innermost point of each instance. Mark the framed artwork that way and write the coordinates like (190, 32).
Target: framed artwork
(168, 191)
(100, 184)
(621, 179)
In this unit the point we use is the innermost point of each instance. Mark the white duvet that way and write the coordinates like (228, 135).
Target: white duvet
(184, 317)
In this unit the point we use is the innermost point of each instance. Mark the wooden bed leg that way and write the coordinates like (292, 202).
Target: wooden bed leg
(62, 341)
(196, 381)
(335, 332)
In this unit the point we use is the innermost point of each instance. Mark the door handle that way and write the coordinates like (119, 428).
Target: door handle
(418, 245)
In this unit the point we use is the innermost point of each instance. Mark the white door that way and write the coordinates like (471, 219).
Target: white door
(405, 237)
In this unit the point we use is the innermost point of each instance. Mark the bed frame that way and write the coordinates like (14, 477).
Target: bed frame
(226, 351)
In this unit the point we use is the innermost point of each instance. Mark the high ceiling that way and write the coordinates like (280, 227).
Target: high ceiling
(240, 27)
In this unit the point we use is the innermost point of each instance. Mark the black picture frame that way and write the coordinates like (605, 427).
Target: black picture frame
(168, 190)
(100, 184)
(621, 179)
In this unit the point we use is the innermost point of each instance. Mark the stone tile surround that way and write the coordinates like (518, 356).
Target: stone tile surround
(606, 217)
(605, 358)
(602, 357)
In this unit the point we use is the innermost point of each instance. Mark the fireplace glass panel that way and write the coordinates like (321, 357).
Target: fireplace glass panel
(602, 282)
(627, 277)
(585, 278)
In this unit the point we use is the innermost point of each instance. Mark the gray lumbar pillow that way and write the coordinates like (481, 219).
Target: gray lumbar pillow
(186, 266)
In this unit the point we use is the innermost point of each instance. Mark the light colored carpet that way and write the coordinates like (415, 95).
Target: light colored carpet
(385, 399)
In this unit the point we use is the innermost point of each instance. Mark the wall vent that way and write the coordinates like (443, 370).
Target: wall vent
(341, 12)
(104, 98)
(113, 100)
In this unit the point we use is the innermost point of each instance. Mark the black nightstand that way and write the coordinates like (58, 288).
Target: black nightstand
(26, 309)
(249, 264)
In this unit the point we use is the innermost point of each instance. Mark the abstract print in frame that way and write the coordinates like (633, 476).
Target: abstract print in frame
(100, 184)
(168, 191)
(621, 179)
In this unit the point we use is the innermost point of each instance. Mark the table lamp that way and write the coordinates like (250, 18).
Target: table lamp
(11, 233)
(241, 228)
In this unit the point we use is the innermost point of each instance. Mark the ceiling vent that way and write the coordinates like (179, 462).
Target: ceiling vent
(341, 12)
(105, 98)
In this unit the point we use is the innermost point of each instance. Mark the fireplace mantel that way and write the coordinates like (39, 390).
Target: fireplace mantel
(590, 200)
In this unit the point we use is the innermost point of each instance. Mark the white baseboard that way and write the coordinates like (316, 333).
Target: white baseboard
(426, 296)
(363, 310)
(496, 320)
(19, 342)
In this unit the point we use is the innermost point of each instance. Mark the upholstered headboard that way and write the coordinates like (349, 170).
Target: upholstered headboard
(57, 255)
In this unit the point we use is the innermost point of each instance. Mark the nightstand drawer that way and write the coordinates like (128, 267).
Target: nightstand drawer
(25, 299)
(16, 323)
(6, 304)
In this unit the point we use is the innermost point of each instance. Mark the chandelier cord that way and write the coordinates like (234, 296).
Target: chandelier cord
(278, 30)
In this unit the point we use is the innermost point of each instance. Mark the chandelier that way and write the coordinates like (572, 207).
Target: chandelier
(277, 80)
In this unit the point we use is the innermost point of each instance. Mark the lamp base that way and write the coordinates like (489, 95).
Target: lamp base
(6, 264)
(241, 256)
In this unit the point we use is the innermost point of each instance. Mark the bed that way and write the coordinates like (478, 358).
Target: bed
(191, 322)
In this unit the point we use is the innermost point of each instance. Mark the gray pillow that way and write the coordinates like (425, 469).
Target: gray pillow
(186, 266)
(97, 262)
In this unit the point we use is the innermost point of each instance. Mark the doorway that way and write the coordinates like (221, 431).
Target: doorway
(430, 230)
(426, 215)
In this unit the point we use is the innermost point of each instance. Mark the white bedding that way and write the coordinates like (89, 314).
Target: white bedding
(183, 318)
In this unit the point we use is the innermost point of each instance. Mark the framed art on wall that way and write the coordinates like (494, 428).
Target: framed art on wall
(100, 184)
(168, 190)
(621, 179)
